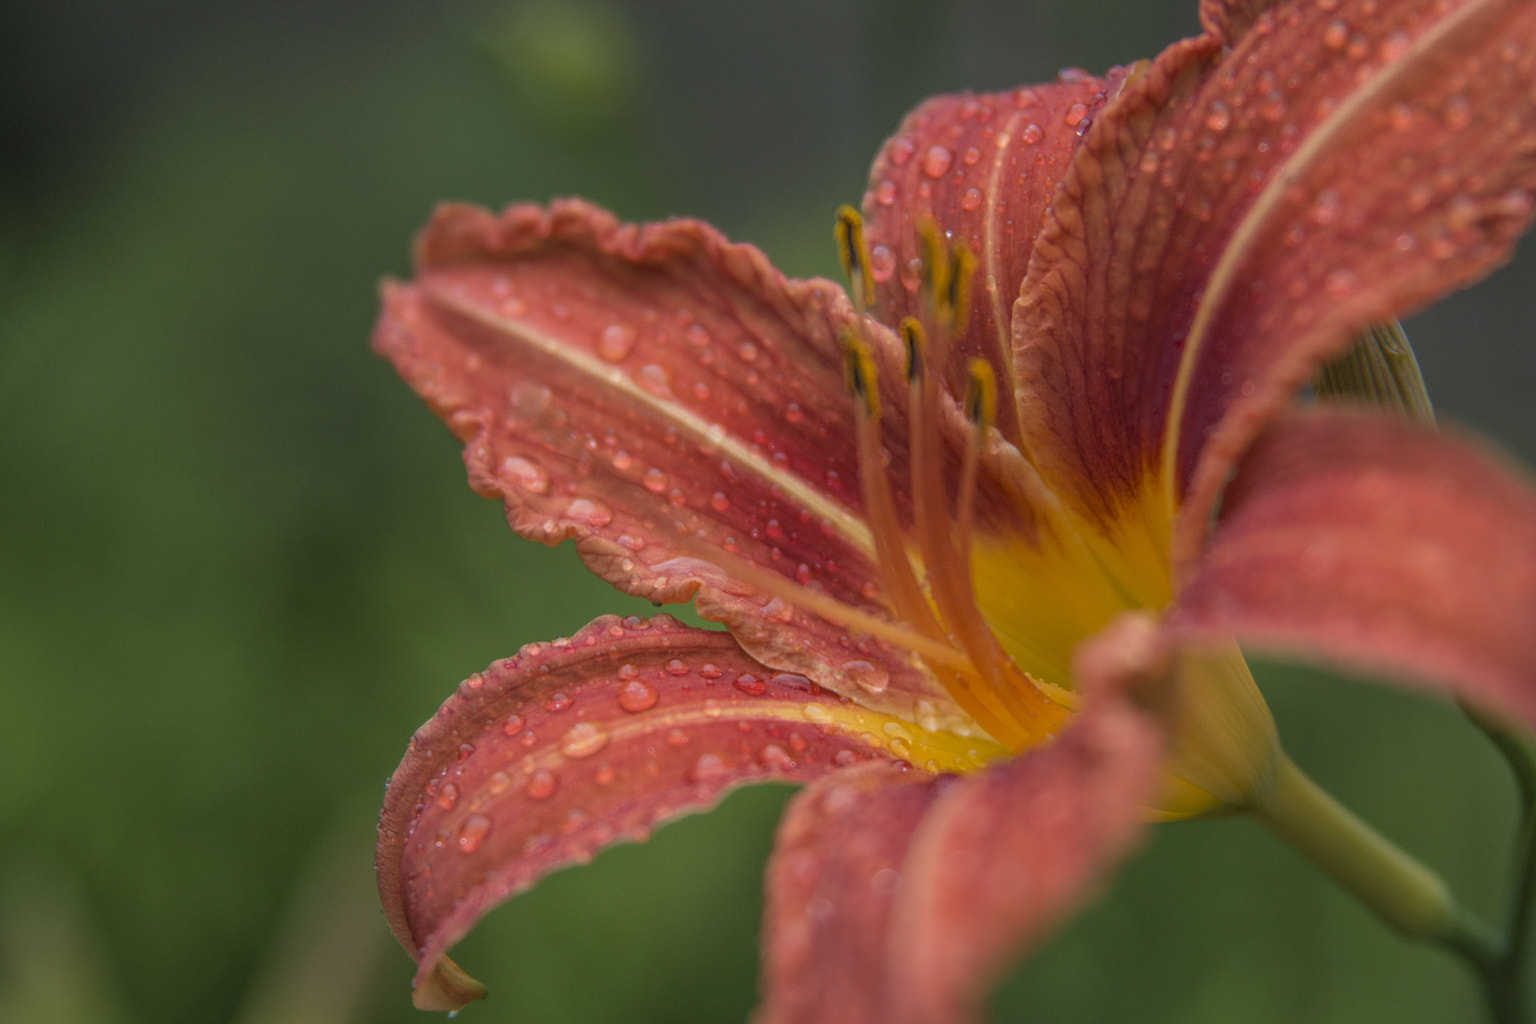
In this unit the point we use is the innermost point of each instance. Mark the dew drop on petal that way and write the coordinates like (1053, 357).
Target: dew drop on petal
(1074, 115)
(637, 696)
(1335, 34)
(708, 768)
(1457, 113)
(655, 480)
(872, 676)
(719, 501)
(558, 702)
(525, 473)
(513, 725)
(885, 193)
(1326, 207)
(882, 263)
(937, 160)
(1340, 282)
(616, 342)
(902, 149)
(583, 740)
(750, 684)
(448, 796)
(542, 784)
(588, 512)
(776, 757)
(971, 199)
(473, 832)
(1219, 117)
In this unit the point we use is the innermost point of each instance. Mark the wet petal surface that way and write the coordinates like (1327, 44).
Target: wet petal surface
(1380, 548)
(897, 898)
(548, 756)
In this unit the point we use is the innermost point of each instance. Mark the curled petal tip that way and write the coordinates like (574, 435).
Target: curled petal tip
(445, 986)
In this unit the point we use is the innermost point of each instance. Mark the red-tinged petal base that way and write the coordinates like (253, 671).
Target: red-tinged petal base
(895, 898)
(1378, 547)
(548, 756)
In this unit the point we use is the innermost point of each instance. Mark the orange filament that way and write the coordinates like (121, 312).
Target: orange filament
(941, 607)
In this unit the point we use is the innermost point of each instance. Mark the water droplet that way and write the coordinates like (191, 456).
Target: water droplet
(589, 513)
(885, 193)
(654, 380)
(712, 708)
(513, 725)
(750, 684)
(902, 148)
(937, 160)
(473, 832)
(520, 472)
(1326, 207)
(872, 676)
(1335, 34)
(498, 783)
(616, 342)
(708, 768)
(901, 748)
(622, 460)
(1339, 282)
(637, 696)
(448, 796)
(1458, 112)
(972, 156)
(816, 713)
(776, 757)
(793, 413)
(677, 738)
(882, 262)
(1166, 138)
(1075, 115)
(747, 352)
(1219, 117)
(802, 574)
(655, 480)
(558, 702)
(971, 199)
(719, 502)
(1149, 161)
(1272, 107)
(1394, 46)
(583, 740)
(474, 681)
(710, 670)
(605, 774)
(1025, 97)
(676, 667)
(542, 784)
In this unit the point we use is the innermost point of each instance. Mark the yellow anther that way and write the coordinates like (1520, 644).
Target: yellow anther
(981, 393)
(936, 266)
(915, 345)
(962, 267)
(853, 254)
(859, 373)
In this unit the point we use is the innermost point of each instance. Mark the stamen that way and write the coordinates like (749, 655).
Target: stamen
(915, 346)
(853, 254)
(962, 269)
(936, 268)
(900, 582)
(980, 409)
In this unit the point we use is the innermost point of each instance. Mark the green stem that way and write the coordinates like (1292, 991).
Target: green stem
(1402, 891)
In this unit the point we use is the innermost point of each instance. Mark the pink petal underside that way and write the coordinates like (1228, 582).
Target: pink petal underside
(548, 756)
(984, 167)
(656, 393)
(897, 899)
(1228, 225)
(1378, 547)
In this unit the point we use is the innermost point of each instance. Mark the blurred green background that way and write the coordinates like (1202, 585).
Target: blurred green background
(239, 565)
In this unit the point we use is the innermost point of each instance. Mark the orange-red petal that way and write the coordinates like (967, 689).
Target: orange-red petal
(548, 756)
(895, 898)
(1234, 218)
(655, 393)
(984, 167)
(1378, 547)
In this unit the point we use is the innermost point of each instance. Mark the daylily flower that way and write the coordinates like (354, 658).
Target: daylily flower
(981, 529)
